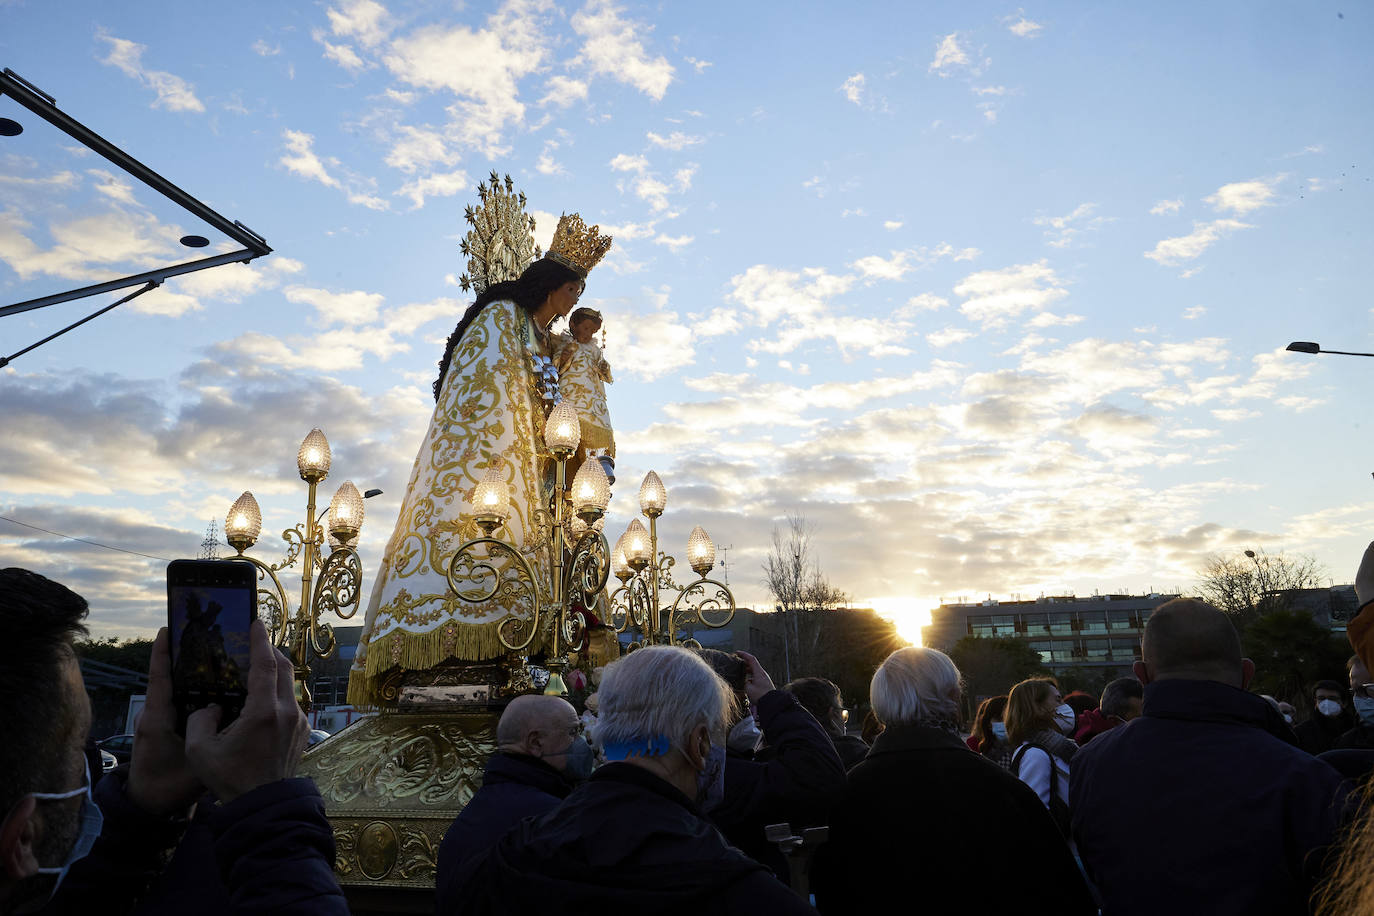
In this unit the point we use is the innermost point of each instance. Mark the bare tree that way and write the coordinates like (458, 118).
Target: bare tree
(1251, 584)
(796, 583)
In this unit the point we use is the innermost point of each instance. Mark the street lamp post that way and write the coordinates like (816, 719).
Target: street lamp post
(1307, 346)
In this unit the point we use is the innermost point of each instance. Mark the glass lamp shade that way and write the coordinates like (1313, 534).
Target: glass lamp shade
(491, 497)
(590, 487)
(313, 458)
(243, 524)
(563, 429)
(701, 553)
(653, 496)
(638, 551)
(577, 527)
(620, 566)
(346, 512)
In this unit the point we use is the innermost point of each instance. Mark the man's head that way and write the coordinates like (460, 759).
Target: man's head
(913, 685)
(733, 671)
(45, 719)
(1358, 674)
(539, 726)
(1187, 639)
(1122, 698)
(821, 698)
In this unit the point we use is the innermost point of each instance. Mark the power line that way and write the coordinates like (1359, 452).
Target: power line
(82, 540)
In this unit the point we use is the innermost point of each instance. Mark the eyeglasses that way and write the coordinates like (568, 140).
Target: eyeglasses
(1363, 690)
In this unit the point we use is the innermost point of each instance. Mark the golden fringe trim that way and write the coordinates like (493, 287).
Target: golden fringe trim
(419, 651)
(595, 436)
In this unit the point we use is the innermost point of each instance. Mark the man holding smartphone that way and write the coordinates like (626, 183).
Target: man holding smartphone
(268, 836)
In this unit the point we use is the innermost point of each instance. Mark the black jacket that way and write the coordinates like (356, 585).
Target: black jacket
(851, 748)
(269, 850)
(923, 817)
(625, 841)
(797, 780)
(1320, 733)
(514, 787)
(1201, 806)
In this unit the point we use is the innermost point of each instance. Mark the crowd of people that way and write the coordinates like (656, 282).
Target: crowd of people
(1178, 790)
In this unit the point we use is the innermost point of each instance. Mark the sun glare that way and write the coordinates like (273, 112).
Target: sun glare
(909, 614)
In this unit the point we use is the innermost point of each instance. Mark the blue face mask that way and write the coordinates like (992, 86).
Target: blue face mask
(580, 761)
(711, 780)
(1364, 708)
(91, 822)
(1000, 730)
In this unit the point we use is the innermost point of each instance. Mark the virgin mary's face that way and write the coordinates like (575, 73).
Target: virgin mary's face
(565, 297)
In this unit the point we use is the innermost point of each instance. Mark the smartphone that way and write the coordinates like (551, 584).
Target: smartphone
(210, 604)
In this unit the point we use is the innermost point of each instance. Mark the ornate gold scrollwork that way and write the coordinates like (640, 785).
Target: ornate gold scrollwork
(630, 606)
(339, 590)
(698, 600)
(498, 572)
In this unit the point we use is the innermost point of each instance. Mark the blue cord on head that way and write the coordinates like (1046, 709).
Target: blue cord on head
(655, 746)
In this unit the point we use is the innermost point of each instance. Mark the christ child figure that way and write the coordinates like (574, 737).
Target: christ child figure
(582, 376)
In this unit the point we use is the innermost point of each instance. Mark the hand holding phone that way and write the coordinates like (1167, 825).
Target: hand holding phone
(210, 604)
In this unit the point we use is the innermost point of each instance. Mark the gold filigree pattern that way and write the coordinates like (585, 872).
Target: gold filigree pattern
(488, 414)
(582, 370)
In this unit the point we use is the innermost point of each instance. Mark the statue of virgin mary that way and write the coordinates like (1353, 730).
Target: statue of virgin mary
(495, 380)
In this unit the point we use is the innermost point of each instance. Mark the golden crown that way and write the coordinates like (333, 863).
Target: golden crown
(576, 246)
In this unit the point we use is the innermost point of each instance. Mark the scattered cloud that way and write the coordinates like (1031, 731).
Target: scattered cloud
(563, 91)
(173, 92)
(1188, 247)
(614, 47)
(947, 336)
(892, 225)
(994, 297)
(1242, 197)
(853, 88)
(949, 54)
(1062, 231)
(1166, 207)
(301, 159)
(1023, 27)
(1194, 312)
(675, 141)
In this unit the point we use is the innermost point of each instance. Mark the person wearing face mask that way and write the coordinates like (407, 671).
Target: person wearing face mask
(265, 846)
(1361, 734)
(1038, 725)
(1329, 720)
(989, 736)
(635, 836)
(540, 758)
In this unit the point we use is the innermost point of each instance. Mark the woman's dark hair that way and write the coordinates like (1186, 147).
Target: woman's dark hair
(991, 710)
(729, 666)
(817, 696)
(528, 291)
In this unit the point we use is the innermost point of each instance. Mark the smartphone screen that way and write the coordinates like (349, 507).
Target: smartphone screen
(210, 604)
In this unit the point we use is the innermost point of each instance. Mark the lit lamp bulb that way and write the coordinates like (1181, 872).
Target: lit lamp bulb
(701, 553)
(345, 513)
(563, 429)
(652, 495)
(243, 524)
(620, 566)
(314, 456)
(591, 491)
(490, 501)
(636, 544)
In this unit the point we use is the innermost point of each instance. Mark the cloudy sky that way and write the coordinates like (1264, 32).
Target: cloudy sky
(995, 296)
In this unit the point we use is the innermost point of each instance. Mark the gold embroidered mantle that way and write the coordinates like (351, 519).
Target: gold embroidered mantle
(489, 411)
(582, 368)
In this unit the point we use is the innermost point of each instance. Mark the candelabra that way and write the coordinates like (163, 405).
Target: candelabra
(644, 573)
(339, 586)
(488, 568)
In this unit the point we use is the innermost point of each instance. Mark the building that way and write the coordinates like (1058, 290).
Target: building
(1099, 632)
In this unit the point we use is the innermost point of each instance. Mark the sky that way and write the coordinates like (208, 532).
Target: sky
(994, 296)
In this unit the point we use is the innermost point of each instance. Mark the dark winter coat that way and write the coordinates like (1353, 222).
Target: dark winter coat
(923, 816)
(796, 781)
(269, 850)
(514, 787)
(1320, 733)
(851, 748)
(625, 841)
(1202, 806)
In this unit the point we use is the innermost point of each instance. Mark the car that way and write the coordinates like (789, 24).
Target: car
(316, 736)
(121, 746)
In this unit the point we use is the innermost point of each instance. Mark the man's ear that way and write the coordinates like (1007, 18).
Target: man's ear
(18, 833)
(699, 747)
(1247, 672)
(1142, 673)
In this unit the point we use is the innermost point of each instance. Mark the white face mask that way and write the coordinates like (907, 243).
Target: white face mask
(1328, 707)
(1064, 718)
(91, 823)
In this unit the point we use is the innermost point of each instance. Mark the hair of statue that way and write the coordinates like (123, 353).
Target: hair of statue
(1117, 696)
(818, 696)
(529, 291)
(915, 684)
(989, 711)
(1026, 713)
(40, 619)
(661, 691)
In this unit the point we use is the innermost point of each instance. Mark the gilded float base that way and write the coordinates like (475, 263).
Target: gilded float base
(392, 785)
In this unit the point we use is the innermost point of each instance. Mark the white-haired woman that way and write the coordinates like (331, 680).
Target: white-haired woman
(924, 810)
(634, 836)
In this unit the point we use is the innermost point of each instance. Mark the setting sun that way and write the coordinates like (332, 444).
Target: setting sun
(909, 614)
